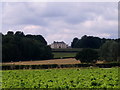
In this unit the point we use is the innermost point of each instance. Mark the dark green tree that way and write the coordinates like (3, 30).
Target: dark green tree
(87, 56)
(37, 37)
(109, 51)
(10, 33)
(20, 47)
(87, 42)
(19, 33)
(74, 43)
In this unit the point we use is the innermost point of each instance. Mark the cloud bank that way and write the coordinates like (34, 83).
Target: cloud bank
(61, 21)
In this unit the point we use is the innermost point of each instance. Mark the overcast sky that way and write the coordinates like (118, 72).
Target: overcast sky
(61, 21)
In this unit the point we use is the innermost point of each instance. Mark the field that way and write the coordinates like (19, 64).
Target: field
(61, 78)
(52, 61)
(44, 62)
(65, 52)
(63, 55)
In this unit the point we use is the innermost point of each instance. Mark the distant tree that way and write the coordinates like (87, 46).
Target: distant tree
(10, 33)
(87, 56)
(114, 50)
(22, 47)
(118, 59)
(74, 43)
(10, 52)
(37, 37)
(1, 35)
(87, 42)
(109, 51)
(19, 33)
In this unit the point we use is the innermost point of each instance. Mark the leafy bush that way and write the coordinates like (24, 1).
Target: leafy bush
(87, 56)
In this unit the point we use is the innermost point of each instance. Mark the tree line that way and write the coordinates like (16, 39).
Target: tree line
(89, 42)
(106, 49)
(20, 47)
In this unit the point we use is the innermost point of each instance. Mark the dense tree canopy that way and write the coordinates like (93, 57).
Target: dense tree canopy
(88, 42)
(87, 56)
(74, 43)
(109, 51)
(108, 48)
(20, 47)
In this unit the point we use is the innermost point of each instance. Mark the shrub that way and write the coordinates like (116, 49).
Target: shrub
(87, 56)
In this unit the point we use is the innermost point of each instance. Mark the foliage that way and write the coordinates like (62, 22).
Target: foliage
(109, 51)
(87, 55)
(55, 64)
(74, 43)
(87, 42)
(20, 47)
(61, 78)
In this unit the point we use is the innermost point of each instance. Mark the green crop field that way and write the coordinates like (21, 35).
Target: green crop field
(61, 78)
(63, 55)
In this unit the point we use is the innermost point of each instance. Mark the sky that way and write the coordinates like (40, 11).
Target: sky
(61, 21)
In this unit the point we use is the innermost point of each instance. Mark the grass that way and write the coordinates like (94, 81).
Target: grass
(67, 49)
(63, 54)
(66, 52)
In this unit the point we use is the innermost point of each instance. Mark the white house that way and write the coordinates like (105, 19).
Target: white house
(59, 45)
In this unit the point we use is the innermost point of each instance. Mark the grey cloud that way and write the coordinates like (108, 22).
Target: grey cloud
(61, 20)
(74, 13)
(19, 14)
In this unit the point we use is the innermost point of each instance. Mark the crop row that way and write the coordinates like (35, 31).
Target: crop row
(61, 78)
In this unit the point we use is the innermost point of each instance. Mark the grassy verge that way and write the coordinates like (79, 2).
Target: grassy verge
(63, 55)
